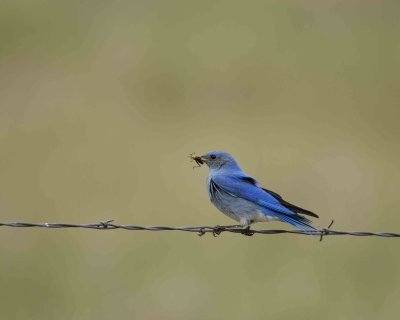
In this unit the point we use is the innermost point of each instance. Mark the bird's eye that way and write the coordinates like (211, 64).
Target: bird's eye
(213, 156)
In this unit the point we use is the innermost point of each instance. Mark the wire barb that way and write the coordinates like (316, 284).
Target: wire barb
(325, 231)
(201, 230)
(105, 224)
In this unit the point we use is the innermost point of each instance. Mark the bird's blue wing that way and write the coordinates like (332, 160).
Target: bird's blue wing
(247, 188)
(236, 186)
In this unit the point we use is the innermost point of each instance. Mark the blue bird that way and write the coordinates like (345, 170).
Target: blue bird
(241, 197)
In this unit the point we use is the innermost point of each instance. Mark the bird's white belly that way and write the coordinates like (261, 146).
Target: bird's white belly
(241, 210)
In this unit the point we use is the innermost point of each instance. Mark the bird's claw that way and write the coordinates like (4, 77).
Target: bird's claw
(247, 232)
(217, 231)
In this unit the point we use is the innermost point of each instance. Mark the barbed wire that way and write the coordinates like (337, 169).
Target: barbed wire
(200, 230)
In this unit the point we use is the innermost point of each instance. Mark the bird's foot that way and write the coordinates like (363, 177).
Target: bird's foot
(217, 230)
(247, 232)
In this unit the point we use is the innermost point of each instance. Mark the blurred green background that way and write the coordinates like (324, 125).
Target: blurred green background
(102, 101)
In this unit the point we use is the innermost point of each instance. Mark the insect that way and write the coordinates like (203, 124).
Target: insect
(196, 159)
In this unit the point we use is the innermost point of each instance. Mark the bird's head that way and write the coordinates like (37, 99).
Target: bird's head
(219, 160)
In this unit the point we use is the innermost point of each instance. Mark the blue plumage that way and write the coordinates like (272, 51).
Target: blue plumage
(240, 197)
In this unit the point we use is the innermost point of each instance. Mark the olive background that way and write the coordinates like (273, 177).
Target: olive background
(102, 101)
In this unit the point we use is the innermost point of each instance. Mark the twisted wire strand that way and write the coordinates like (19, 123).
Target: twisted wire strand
(200, 230)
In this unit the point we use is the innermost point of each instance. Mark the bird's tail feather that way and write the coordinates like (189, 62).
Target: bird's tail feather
(298, 221)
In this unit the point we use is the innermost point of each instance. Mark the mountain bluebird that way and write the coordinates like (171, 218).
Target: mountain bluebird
(241, 197)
